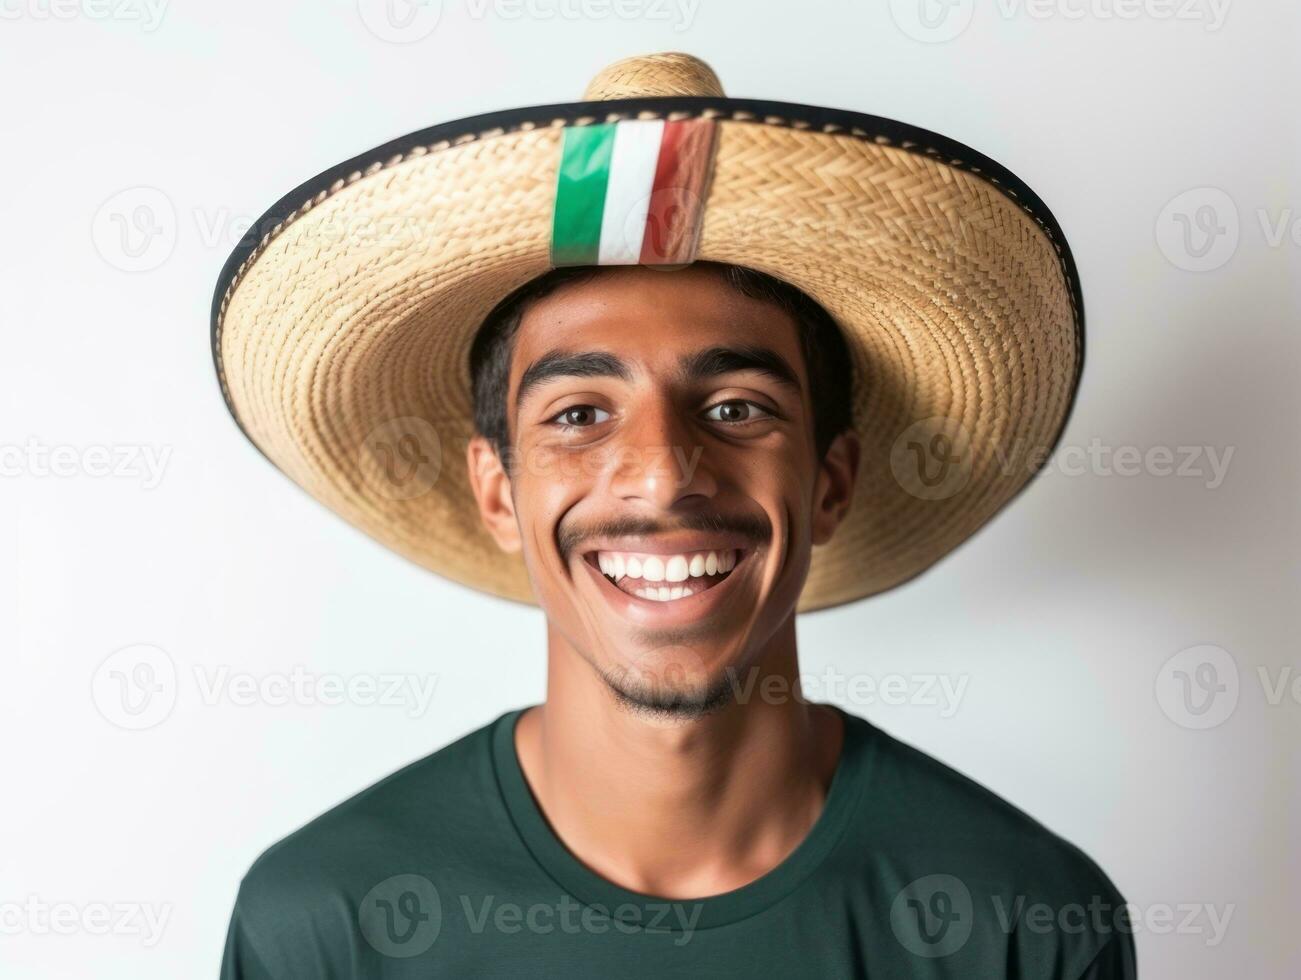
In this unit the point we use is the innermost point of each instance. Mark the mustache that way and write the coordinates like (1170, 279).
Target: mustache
(753, 527)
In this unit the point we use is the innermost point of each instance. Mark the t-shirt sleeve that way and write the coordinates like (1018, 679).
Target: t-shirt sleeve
(240, 960)
(1115, 961)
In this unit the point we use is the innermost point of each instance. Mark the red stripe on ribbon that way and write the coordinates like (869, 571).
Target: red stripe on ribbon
(678, 193)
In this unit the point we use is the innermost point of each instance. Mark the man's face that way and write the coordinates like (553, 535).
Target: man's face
(663, 482)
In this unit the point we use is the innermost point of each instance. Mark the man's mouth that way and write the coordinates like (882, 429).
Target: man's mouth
(665, 578)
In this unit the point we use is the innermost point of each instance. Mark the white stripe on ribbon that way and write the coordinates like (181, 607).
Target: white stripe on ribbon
(628, 193)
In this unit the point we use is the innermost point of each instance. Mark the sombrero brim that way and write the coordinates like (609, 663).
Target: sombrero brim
(341, 324)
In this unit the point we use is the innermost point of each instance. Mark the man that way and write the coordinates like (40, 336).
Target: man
(659, 433)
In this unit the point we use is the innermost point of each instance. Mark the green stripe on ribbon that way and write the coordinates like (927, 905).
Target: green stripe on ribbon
(580, 194)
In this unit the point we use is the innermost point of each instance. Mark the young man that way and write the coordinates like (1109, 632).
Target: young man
(689, 359)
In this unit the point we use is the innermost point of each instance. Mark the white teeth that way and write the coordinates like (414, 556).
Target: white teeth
(664, 593)
(666, 568)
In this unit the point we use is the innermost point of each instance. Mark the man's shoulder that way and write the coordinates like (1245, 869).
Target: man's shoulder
(423, 812)
(953, 846)
(924, 805)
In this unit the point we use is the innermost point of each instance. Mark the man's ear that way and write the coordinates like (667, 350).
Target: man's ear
(834, 490)
(492, 492)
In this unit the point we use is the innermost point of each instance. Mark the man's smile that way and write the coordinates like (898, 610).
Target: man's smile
(667, 578)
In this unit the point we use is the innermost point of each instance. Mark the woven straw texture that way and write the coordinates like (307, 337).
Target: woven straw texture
(343, 343)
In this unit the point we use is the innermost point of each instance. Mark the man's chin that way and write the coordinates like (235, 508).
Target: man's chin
(668, 698)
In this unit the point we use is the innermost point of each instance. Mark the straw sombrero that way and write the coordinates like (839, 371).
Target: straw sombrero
(341, 325)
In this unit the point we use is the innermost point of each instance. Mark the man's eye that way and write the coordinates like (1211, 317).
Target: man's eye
(736, 410)
(581, 415)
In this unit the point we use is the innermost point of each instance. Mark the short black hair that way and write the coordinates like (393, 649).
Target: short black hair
(826, 356)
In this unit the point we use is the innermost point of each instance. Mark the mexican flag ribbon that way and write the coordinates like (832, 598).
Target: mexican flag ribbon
(631, 192)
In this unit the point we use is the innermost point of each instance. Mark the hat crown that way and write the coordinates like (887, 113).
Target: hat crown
(665, 73)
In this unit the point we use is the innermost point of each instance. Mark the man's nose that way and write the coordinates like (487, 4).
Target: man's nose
(660, 460)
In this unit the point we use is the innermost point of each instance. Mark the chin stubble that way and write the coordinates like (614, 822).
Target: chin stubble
(664, 703)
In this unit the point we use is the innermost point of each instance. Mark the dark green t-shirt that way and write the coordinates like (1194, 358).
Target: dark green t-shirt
(447, 868)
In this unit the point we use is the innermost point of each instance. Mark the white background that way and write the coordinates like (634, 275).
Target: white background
(1058, 617)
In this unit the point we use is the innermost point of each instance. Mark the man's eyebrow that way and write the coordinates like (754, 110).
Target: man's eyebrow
(570, 364)
(714, 361)
(702, 364)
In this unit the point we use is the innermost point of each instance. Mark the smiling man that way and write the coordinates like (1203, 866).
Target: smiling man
(693, 359)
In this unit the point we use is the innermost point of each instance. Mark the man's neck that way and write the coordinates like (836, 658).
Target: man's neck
(679, 809)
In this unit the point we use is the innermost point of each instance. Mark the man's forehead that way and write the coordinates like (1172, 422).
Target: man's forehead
(648, 317)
